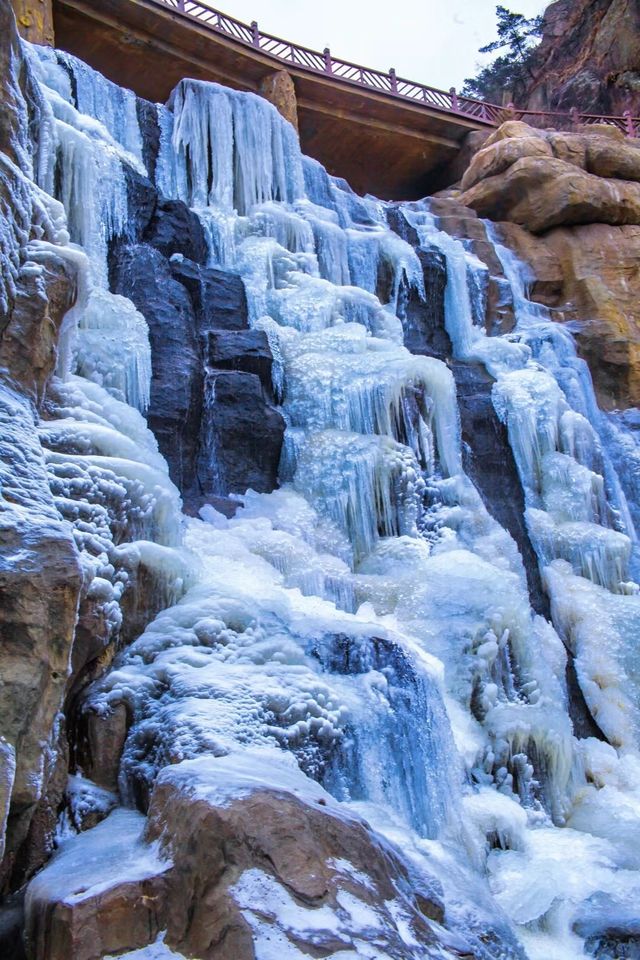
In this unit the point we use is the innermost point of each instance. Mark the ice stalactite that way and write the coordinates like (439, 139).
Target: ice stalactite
(105, 473)
(83, 149)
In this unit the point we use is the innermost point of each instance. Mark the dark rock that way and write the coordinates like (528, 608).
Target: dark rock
(142, 197)
(241, 436)
(423, 319)
(147, 114)
(175, 228)
(399, 224)
(143, 274)
(488, 460)
(227, 506)
(231, 441)
(219, 298)
(11, 926)
(246, 350)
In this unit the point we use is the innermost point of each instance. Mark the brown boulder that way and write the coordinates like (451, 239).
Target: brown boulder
(543, 179)
(612, 157)
(39, 588)
(540, 193)
(103, 893)
(231, 863)
(496, 157)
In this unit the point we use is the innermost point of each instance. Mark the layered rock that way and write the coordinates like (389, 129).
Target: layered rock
(544, 179)
(588, 58)
(579, 195)
(201, 348)
(229, 864)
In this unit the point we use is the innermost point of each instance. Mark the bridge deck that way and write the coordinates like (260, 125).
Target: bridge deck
(386, 135)
(389, 146)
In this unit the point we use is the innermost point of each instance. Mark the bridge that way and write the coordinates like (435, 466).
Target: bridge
(386, 135)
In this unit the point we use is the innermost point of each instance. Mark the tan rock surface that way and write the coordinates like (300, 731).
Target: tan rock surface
(279, 89)
(544, 179)
(306, 845)
(588, 58)
(496, 157)
(227, 858)
(591, 275)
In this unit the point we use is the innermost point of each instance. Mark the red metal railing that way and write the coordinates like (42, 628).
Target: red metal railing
(389, 83)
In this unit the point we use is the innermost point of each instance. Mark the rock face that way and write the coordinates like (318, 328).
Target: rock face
(40, 576)
(569, 205)
(544, 179)
(143, 274)
(588, 58)
(232, 864)
(278, 87)
(212, 407)
(589, 275)
(241, 434)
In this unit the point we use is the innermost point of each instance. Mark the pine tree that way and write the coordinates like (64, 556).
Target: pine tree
(509, 72)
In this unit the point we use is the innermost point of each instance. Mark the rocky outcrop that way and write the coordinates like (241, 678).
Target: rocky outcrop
(588, 58)
(212, 407)
(40, 577)
(279, 89)
(589, 275)
(233, 864)
(569, 206)
(545, 179)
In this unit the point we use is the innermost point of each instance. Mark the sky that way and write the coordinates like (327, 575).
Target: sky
(430, 41)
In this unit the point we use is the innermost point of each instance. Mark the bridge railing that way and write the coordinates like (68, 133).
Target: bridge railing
(389, 83)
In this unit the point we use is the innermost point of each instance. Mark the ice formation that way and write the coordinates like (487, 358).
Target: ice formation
(369, 618)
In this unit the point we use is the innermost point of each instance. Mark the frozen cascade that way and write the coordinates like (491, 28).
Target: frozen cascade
(368, 618)
(87, 135)
(105, 473)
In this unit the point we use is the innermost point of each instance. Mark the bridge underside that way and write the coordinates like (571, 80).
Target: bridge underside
(386, 146)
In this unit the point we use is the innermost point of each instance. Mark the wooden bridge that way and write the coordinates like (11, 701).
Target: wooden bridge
(386, 135)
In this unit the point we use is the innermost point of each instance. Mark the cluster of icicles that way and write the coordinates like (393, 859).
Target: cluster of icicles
(469, 760)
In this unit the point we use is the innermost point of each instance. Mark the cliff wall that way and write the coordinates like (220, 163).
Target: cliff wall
(589, 58)
(569, 205)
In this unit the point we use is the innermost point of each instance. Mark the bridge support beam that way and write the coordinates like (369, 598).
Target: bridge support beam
(35, 20)
(278, 87)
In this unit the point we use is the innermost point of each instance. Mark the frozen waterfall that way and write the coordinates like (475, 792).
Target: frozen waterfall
(369, 621)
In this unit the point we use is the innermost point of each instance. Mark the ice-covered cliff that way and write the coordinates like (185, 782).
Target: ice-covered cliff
(374, 693)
